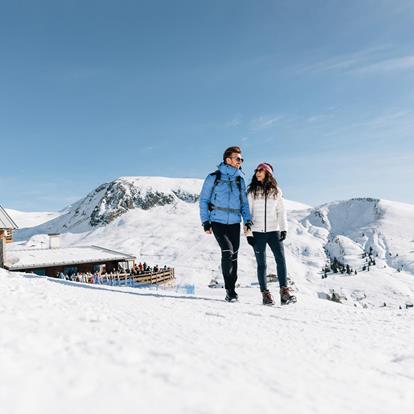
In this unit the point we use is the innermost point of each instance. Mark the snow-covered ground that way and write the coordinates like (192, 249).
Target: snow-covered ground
(73, 348)
(70, 347)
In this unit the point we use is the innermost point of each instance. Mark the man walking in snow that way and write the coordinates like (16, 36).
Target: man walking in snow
(223, 201)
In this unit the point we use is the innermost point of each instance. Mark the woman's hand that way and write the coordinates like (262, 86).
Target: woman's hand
(248, 228)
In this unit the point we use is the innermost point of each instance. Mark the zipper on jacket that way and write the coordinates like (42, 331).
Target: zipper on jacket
(265, 220)
(228, 205)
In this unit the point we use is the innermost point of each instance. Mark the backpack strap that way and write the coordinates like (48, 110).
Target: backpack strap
(238, 182)
(217, 173)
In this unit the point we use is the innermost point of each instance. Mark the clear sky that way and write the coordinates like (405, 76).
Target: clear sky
(94, 90)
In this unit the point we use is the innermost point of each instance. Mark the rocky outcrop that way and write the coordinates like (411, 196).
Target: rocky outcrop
(122, 195)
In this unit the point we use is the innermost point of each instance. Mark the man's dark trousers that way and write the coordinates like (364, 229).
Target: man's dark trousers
(228, 238)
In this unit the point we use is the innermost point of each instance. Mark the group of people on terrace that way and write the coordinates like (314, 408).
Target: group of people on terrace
(86, 277)
(98, 277)
(143, 268)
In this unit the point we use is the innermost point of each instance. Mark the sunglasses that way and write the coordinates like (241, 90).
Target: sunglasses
(238, 159)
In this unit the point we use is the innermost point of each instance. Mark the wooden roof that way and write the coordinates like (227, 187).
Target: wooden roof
(40, 258)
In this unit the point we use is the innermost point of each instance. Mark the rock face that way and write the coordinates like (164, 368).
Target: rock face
(130, 193)
(111, 200)
(122, 196)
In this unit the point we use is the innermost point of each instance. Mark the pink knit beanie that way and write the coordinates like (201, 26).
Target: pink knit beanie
(266, 167)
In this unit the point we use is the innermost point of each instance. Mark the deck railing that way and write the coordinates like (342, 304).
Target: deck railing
(143, 278)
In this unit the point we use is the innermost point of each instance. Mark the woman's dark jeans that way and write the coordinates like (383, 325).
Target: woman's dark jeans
(261, 240)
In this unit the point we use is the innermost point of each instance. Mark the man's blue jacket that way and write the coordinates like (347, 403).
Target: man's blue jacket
(228, 204)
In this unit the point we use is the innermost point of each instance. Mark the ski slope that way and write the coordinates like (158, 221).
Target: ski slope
(73, 348)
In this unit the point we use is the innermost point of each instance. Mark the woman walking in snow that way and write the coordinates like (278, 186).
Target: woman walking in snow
(269, 228)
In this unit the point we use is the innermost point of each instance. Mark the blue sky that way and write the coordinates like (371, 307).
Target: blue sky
(94, 90)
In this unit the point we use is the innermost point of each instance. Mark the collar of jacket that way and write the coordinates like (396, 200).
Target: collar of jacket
(229, 170)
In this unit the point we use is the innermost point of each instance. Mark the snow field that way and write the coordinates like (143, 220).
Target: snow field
(70, 347)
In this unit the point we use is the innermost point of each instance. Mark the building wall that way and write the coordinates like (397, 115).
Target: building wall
(6, 234)
(81, 268)
(2, 252)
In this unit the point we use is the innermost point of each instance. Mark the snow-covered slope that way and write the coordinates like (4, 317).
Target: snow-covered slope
(111, 200)
(349, 226)
(31, 219)
(73, 348)
(157, 220)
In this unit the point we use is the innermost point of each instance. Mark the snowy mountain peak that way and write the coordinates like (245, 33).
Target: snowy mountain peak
(347, 214)
(128, 193)
(111, 200)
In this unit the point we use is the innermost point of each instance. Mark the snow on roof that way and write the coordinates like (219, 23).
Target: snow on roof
(40, 258)
(6, 221)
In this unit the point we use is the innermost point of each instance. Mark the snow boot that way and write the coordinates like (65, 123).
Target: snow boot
(231, 295)
(267, 298)
(286, 296)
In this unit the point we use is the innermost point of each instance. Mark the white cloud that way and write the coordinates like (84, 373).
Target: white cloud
(235, 122)
(316, 118)
(388, 65)
(373, 60)
(264, 122)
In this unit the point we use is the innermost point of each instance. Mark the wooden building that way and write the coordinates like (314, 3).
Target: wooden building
(7, 226)
(69, 260)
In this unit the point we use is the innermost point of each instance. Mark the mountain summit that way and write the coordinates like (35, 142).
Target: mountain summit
(111, 200)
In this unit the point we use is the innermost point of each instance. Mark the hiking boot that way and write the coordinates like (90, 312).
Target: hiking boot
(286, 296)
(231, 295)
(267, 298)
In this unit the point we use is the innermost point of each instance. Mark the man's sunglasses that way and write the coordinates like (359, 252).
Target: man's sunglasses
(238, 159)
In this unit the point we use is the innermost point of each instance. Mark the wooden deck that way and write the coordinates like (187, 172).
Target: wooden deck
(159, 277)
(145, 278)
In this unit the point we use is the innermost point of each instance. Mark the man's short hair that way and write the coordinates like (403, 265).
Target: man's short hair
(229, 151)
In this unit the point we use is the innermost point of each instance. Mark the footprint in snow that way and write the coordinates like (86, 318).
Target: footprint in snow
(217, 315)
(253, 314)
(402, 358)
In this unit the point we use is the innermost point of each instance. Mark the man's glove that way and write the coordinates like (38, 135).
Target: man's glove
(283, 235)
(207, 226)
(250, 240)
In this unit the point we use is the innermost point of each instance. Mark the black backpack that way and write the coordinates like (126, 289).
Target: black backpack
(217, 173)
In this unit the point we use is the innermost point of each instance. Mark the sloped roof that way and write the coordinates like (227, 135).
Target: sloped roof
(41, 258)
(6, 221)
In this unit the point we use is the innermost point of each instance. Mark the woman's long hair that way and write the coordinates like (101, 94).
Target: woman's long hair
(266, 188)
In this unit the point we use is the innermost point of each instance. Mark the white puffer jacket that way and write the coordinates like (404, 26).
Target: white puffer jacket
(268, 213)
